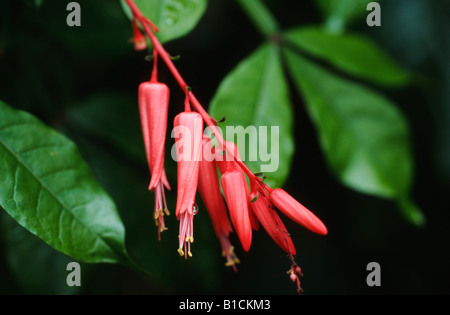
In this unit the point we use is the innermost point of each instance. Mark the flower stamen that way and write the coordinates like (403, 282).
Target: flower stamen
(185, 237)
(158, 215)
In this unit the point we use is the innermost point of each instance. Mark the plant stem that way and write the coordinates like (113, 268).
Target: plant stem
(261, 17)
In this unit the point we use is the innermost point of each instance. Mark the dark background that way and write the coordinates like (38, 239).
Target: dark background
(84, 81)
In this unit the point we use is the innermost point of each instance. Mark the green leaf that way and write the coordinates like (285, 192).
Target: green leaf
(364, 136)
(48, 189)
(342, 12)
(355, 54)
(174, 18)
(255, 94)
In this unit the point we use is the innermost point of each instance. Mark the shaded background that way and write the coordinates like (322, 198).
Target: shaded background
(83, 82)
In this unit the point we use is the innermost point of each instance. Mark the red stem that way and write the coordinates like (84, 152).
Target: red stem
(154, 77)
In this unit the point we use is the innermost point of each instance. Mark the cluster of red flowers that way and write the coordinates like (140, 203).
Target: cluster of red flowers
(246, 199)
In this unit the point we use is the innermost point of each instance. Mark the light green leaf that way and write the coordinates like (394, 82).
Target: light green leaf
(48, 189)
(255, 94)
(364, 136)
(355, 54)
(174, 18)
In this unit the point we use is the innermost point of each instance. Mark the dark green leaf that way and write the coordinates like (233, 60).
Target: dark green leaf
(174, 18)
(364, 137)
(47, 188)
(253, 95)
(355, 54)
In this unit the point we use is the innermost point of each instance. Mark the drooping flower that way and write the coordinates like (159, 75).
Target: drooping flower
(209, 189)
(153, 109)
(236, 197)
(272, 223)
(265, 202)
(188, 131)
(226, 159)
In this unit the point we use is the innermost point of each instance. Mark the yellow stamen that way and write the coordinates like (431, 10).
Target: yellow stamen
(191, 239)
(167, 211)
(189, 254)
(180, 251)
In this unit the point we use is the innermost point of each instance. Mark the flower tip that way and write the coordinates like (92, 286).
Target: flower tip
(140, 44)
(322, 230)
(297, 212)
(246, 244)
(316, 225)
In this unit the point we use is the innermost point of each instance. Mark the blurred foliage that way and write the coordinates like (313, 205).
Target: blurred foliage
(83, 83)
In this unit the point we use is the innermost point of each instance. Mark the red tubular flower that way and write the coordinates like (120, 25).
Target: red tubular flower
(154, 106)
(188, 141)
(236, 196)
(139, 40)
(296, 211)
(153, 109)
(225, 159)
(209, 188)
